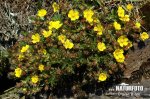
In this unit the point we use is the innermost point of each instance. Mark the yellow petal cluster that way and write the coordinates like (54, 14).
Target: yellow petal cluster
(24, 48)
(144, 36)
(117, 26)
(88, 14)
(62, 38)
(18, 72)
(118, 54)
(34, 79)
(68, 44)
(137, 24)
(54, 24)
(35, 38)
(123, 41)
(102, 77)
(41, 13)
(41, 67)
(120, 11)
(73, 15)
(55, 7)
(20, 57)
(47, 33)
(129, 7)
(101, 46)
(126, 18)
(99, 29)
(122, 16)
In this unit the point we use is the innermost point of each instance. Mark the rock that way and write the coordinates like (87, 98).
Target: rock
(136, 58)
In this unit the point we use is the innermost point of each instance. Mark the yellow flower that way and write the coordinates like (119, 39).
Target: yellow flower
(102, 77)
(18, 72)
(88, 13)
(73, 15)
(129, 7)
(20, 57)
(144, 36)
(42, 13)
(44, 52)
(89, 19)
(120, 58)
(68, 44)
(54, 24)
(62, 38)
(126, 18)
(47, 33)
(35, 38)
(24, 48)
(118, 54)
(34, 79)
(99, 29)
(120, 11)
(101, 46)
(41, 67)
(55, 7)
(123, 41)
(118, 51)
(117, 26)
(137, 25)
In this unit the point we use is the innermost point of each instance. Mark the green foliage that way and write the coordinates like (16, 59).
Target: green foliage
(41, 58)
(3, 59)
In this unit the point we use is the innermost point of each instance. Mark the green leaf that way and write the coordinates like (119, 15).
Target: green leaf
(57, 17)
(24, 33)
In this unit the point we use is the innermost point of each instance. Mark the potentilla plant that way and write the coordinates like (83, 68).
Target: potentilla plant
(76, 34)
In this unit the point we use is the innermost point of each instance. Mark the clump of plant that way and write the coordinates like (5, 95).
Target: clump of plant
(77, 33)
